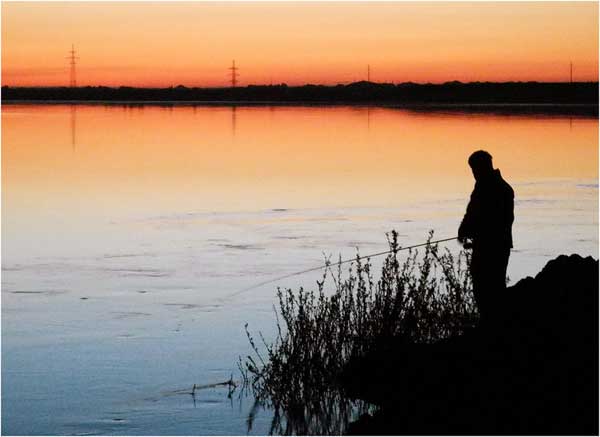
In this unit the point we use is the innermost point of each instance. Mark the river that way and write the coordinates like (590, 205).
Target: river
(128, 231)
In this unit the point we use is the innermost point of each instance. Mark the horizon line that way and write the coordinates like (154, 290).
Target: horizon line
(179, 85)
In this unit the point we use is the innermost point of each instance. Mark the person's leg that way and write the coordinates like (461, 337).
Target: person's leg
(478, 277)
(505, 255)
(496, 265)
(488, 273)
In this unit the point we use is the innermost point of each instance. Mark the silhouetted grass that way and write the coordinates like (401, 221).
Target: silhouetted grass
(425, 298)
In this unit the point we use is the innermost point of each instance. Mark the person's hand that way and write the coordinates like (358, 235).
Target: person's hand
(464, 241)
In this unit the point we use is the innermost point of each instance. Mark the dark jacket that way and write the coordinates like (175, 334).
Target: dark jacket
(490, 214)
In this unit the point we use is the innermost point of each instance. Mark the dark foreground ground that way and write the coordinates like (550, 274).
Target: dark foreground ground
(579, 98)
(533, 370)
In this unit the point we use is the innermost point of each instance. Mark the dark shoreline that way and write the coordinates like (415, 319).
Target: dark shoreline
(578, 98)
(531, 370)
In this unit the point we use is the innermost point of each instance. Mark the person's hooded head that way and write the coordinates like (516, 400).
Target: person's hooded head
(481, 165)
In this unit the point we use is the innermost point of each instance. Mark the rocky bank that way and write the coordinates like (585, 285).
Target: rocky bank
(533, 369)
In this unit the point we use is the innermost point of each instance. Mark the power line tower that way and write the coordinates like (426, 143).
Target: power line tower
(368, 73)
(72, 61)
(234, 74)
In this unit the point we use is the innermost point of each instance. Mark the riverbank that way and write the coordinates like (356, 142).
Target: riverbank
(513, 96)
(532, 370)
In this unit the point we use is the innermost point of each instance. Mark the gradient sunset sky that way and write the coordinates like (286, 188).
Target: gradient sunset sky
(193, 43)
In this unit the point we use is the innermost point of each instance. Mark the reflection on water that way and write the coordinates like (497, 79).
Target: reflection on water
(329, 413)
(287, 157)
(73, 125)
(233, 120)
(124, 227)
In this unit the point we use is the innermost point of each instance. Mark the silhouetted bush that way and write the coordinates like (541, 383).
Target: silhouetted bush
(421, 300)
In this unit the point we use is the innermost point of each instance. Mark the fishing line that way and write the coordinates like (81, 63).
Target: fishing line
(233, 384)
(339, 263)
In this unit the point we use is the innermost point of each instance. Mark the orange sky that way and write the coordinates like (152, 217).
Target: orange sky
(168, 43)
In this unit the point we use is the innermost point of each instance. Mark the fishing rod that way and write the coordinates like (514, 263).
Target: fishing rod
(339, 263)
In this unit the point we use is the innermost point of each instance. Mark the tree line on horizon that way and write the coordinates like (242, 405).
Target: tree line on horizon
(363, 91)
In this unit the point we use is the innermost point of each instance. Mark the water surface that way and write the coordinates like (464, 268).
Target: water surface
(127, 232)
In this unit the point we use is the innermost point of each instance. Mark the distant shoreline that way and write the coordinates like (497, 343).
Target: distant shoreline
(578, 98)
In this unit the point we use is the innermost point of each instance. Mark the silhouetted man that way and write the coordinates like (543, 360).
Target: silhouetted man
(488, 223)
